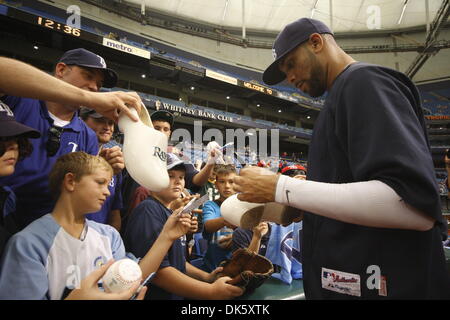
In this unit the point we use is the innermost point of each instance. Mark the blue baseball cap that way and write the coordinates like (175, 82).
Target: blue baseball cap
(85, 58)
(9, 127)
(163, 115)
(287, 40)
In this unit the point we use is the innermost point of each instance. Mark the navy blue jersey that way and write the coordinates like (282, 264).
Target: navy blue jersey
(129, 186)
(30, 178)
(143, 228)
(372, 128)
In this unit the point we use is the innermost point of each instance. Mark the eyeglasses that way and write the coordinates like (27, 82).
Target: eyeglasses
(54, 140)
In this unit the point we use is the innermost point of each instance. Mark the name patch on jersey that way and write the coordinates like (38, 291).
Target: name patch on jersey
(341, 282)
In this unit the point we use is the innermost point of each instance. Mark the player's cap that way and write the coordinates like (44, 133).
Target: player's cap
(163, 115)
(84, 58)
(288, 39)
(9, 127)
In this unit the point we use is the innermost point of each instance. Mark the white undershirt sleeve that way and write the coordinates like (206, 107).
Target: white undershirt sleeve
(369, 203)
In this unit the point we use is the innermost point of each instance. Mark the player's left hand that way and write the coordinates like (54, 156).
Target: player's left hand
(256, 184)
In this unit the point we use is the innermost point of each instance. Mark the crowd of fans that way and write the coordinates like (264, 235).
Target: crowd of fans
(65, 190)
(69, 207)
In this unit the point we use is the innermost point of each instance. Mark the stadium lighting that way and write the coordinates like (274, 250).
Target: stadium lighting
(258, 105)
(143, 76)
(279, 110)
(228, 97)
(308, 117)
(192, 88)
(35, 47)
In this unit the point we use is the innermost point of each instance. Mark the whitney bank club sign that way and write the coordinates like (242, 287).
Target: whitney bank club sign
(193, 112)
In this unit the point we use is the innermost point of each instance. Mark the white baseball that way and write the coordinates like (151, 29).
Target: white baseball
(121, 275)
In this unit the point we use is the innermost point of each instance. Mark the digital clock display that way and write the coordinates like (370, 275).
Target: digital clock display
(51, 24)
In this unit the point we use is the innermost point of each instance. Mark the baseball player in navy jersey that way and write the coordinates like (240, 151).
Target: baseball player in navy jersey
(372, 225)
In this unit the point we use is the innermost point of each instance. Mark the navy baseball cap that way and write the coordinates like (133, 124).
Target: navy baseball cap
(86, 112)
(9, 127)
(84, 58)
(288, 39)
(163, 115)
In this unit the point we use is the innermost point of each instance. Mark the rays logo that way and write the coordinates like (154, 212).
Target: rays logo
(102, 61)
(162, 155)
(274, 54)
(5, 108)
(99, 261)
(111, 184)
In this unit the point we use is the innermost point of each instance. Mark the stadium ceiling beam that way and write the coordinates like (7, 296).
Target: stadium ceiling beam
(431, 36)
(313, 9)
(416, 47)
(403, 12)
(224, 11)
(233, 36)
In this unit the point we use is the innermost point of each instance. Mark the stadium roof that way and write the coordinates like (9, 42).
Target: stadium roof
(271, 15)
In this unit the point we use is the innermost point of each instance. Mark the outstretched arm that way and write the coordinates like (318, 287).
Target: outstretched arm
(20, 79)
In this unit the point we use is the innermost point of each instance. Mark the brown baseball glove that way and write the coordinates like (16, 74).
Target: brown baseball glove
(247, 269)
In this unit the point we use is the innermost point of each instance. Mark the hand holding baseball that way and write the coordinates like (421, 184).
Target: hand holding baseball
(89, 289)
(215, 156)
(225, 241)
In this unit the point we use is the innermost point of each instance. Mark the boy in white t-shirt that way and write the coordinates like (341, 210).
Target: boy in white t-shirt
(56, 251)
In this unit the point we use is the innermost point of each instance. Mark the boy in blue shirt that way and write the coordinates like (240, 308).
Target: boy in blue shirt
(217, 230)
(176, 278)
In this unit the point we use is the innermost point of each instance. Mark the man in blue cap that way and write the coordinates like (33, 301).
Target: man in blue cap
(373, 223)
(62, 131)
